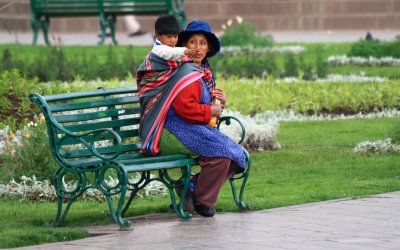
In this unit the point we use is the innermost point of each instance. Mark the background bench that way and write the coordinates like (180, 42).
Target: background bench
(94, 134)
(106, 10)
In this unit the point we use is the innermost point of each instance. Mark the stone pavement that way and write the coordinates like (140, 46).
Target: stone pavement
(366, 223)
(123, 39)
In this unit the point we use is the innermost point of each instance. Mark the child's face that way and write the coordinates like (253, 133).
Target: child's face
(168, 39)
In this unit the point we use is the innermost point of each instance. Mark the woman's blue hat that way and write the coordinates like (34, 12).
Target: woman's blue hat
(203, 27)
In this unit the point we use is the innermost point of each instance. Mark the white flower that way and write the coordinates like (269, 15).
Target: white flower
(238, 50)
(362, 61)
(239, 19)
(223, 26)
(229, 22)
(291, 116)
(31, 189)
(377, 147)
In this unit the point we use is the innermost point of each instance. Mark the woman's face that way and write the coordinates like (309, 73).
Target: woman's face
(199, 42)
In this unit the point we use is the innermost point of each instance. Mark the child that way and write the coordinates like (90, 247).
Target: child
(167, 30)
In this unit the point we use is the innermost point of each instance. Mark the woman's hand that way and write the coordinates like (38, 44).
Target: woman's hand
(216, 110)
(220, 94)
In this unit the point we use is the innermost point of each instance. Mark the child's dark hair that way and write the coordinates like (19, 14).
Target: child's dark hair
(166, 25)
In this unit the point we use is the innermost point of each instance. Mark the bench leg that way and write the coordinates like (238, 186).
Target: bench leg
(103, 27)
(239, 200)
(66, 195)
(111, 23)
(35, 27)
(45, 23)
(117, 190)
(181, 17)
(172, 184)
(136, 187)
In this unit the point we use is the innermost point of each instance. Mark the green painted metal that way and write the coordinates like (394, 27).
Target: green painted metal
(106, 10)
(93, 103)
(74, 135)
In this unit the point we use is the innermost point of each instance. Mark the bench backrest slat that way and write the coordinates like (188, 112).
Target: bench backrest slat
(93, 103)
(96, 6)
(105, 150)
(98, 115)
(133, 133)
(104, 124)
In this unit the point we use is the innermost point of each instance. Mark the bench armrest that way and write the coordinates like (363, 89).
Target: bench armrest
(228, 121)
(90, 145)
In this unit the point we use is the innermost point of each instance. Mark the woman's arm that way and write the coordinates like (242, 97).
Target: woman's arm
(187, 105)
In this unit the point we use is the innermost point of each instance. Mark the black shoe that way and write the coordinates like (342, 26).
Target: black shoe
(188, 202)
(204, 210)
(137, 33)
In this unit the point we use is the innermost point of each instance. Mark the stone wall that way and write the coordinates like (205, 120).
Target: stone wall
(268, 15)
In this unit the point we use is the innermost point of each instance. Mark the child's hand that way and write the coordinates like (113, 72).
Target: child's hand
(192, 52)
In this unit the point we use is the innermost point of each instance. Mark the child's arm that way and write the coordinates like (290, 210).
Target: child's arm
(169, 53)
(191, 52)
(172, 53)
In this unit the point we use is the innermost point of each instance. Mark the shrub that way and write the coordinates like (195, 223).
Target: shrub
(14, 91)
(53, 64)
(321, 66)
(367, 48)
(246, 65)
(32, 157)
(291, 67)
(244, 34)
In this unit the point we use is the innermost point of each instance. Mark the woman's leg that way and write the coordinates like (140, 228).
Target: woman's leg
(214, 173)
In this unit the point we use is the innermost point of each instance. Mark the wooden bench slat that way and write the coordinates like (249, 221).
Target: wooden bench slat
(93, 104)
(92, 161)
(69, 154)
(98, 114)
(103, 124)
(161, 165)
(91, 93)
(123, 134)
(136, 2)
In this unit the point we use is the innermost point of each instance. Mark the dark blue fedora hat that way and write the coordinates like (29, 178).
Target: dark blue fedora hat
(198, 26)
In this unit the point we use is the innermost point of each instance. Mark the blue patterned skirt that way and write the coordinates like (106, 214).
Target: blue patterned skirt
(202, 139)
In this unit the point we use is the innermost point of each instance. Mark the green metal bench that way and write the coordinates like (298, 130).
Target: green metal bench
(106, 10)
(95, 133)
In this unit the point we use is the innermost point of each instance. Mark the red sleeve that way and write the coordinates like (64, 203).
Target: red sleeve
(187, 105)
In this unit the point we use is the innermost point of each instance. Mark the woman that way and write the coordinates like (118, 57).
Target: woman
(184, 125)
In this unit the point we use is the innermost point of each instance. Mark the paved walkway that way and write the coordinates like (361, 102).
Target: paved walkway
(123, 39)
(366, 223)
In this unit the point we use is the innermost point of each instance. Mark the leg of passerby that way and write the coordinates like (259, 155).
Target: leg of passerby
(133, 26)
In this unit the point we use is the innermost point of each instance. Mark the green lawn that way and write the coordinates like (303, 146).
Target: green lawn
(315, 163)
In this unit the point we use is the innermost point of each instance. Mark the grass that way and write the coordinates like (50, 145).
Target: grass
(315, 163)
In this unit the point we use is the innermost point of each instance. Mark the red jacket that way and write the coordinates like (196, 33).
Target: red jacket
(187, 105)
